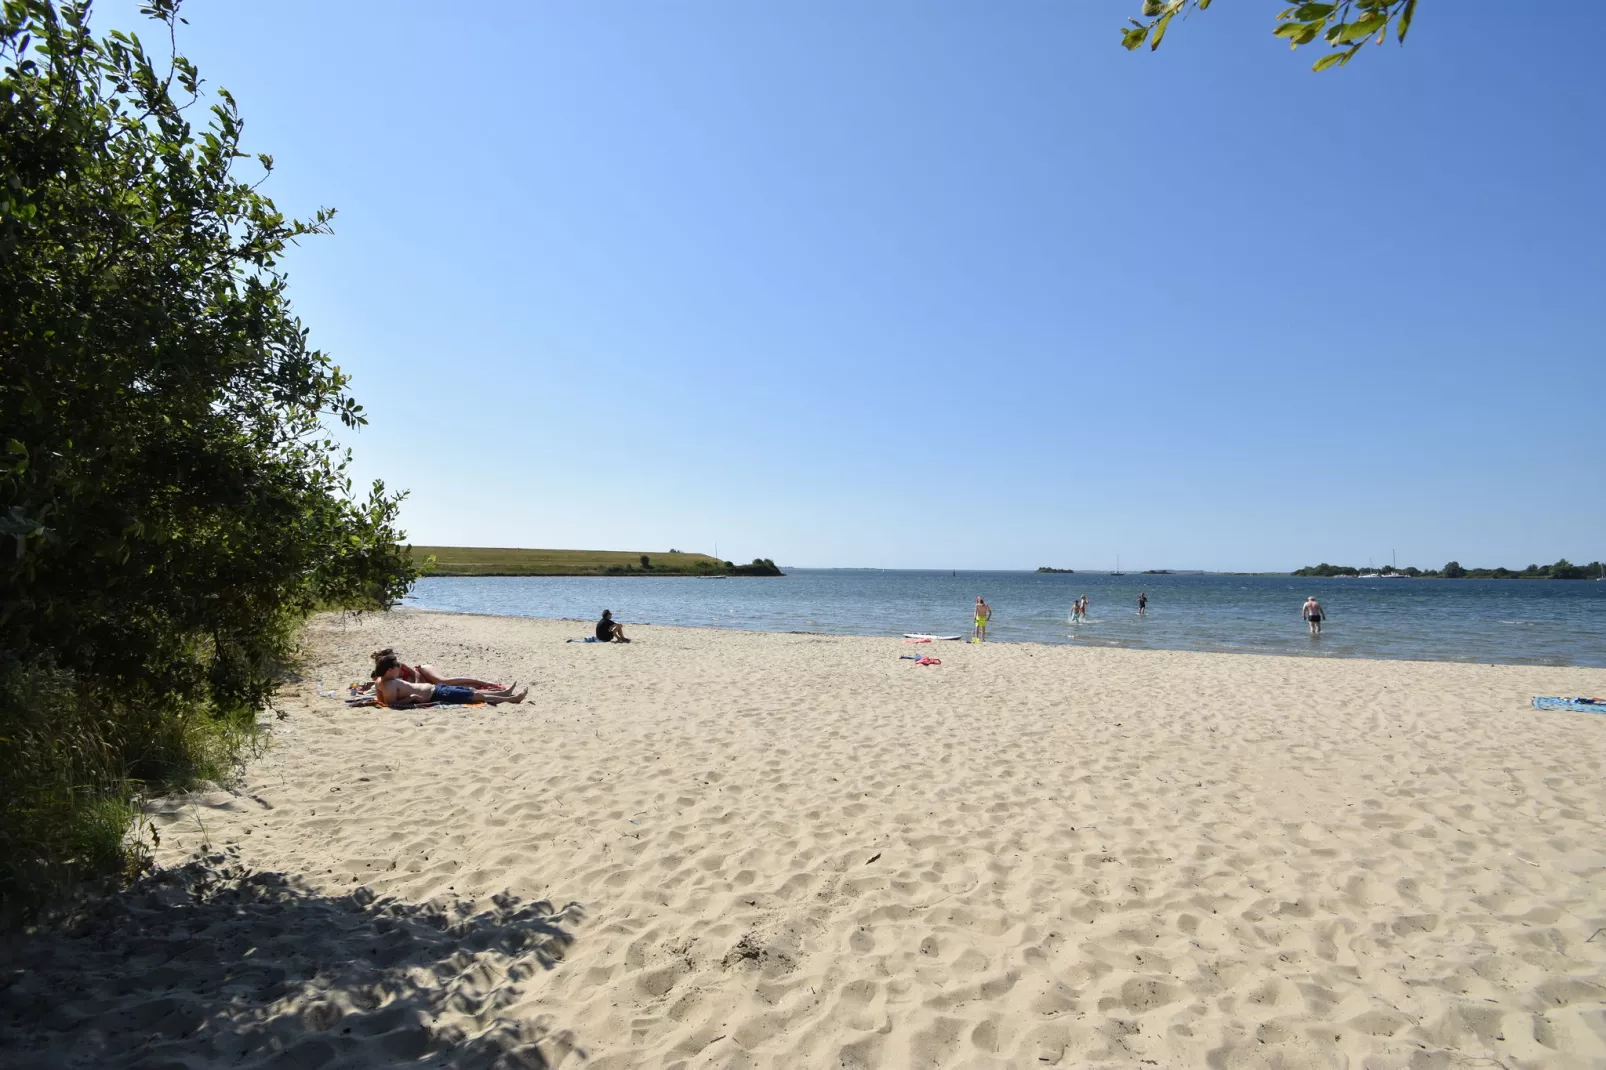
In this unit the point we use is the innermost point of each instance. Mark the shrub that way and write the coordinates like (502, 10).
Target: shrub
(171, 504)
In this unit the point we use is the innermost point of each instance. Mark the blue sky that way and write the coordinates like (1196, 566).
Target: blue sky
(948, 285)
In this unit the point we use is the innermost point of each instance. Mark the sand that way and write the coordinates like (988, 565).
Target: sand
(728, 849)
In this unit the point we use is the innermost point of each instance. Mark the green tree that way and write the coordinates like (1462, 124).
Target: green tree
(171, 502)
(1454, 571)
(1345, 25)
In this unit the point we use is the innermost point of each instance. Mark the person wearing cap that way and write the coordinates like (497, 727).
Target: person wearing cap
(609, 630)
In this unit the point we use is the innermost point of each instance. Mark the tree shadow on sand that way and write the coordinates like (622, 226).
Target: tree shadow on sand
(212, 964)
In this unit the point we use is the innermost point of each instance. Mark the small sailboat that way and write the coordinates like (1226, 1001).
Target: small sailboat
(1118, 571)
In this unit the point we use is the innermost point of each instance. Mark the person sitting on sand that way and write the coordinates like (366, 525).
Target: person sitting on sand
(396, 692)
(425, 674)
(610, 630)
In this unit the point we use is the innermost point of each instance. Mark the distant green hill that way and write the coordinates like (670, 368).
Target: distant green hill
(500, 561)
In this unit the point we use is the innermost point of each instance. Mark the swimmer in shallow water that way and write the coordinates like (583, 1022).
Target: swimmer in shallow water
(1314, 614)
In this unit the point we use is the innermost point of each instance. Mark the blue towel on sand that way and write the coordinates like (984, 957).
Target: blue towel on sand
(1582, 705)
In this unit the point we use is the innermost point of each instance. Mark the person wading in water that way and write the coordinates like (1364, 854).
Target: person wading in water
(1314, 615)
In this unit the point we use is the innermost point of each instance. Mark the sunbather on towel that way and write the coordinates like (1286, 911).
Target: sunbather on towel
(393, 691)
(426, 674)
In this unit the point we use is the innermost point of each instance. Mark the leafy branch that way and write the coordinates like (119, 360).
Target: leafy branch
(1345, 25)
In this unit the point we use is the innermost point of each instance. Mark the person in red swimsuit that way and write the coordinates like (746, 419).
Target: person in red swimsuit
(425, 674)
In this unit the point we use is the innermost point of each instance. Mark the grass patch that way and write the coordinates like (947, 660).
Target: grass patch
(74, 762)
(501, 561)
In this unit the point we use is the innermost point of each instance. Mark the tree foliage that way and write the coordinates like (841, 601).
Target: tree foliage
(171, 501)
(1345, 25)
(761, 566)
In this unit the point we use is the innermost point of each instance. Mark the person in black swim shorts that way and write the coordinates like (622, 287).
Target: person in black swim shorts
(1314, 615)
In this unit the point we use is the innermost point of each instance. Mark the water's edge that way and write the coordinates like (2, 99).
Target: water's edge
(1555, 623)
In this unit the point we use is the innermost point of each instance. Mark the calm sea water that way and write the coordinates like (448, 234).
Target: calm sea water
(1530, 622)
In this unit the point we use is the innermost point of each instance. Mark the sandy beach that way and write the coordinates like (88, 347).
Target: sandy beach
(734, 849)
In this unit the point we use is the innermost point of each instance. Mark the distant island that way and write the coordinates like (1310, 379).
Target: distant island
(498, 561)
(1158, 572)
(1059, 571)
(1561, 570)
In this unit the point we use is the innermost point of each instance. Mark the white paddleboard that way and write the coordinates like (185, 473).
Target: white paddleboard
(923, 635)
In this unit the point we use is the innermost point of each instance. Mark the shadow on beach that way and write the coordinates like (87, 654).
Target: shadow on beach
(213, 964)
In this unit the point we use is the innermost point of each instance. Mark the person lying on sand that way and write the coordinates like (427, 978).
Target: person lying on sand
(393, 691)
(426, 674)
(610, 630)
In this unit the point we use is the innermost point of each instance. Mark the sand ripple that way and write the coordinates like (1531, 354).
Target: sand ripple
(793, 850)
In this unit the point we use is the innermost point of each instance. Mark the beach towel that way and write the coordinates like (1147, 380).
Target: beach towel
(373, 703)
(587, 639)
(1582, 705)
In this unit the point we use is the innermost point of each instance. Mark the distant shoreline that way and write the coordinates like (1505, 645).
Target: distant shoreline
(468, 561)
(1561, 570)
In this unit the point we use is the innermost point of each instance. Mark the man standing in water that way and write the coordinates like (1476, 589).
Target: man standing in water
(1143, 604)
(1314, 615)
(984, 613)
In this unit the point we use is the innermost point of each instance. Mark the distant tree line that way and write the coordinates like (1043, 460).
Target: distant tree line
(761, 566)
(1561, 570)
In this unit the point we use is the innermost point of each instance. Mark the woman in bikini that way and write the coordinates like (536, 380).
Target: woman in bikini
(425, 674)
(390, 690)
